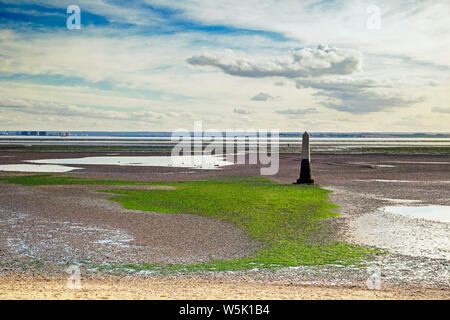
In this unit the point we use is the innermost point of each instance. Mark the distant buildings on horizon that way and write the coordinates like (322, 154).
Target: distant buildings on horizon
(168, 134)
(36, 133)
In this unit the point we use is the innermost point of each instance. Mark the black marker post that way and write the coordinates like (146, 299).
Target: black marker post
(305, 169)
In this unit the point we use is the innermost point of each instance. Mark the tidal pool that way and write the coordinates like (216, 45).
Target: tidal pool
(195, 162)
(36, 168)
(431, 212)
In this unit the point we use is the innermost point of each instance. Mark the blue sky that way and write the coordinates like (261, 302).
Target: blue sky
(160, 65)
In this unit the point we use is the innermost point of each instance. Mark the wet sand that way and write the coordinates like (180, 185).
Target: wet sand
(71, 224)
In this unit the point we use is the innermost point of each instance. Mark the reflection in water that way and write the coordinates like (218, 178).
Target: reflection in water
(36, 168)
(195, 161)
(435, 213)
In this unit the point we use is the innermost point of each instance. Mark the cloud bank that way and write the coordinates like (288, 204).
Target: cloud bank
(69, 110)
(358, 96)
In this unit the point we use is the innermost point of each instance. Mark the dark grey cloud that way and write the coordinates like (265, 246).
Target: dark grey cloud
(10, 106)
(262, 96)
(242, 111)
(440, 110)
(306, 62)
(297, 111)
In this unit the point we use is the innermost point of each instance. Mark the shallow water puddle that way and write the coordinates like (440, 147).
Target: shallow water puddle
(432, 212)
(421, 162)
(399, 200)
(195, 162)
(401, 181)
(373, 165)
(36, 168)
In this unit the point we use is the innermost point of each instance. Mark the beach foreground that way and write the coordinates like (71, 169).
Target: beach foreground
(46, 228)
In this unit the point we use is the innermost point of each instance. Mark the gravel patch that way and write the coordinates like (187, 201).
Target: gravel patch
(70, 224)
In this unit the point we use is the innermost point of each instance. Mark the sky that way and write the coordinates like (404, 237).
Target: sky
(154, 65)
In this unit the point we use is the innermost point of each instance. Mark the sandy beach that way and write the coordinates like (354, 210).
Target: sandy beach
(26, 287)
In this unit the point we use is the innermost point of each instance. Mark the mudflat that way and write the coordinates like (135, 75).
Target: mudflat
(73, 223)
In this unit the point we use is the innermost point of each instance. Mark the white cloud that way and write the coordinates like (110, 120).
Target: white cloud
(306, 62)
